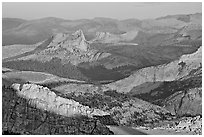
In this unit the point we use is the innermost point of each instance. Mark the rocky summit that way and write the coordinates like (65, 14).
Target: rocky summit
(70, 41)
(71, 48)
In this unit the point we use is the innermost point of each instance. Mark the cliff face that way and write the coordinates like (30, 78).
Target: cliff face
(42, 98)
(168, 72)
(19, 117)
(75, 40)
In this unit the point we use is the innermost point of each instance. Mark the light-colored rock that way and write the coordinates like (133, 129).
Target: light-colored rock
(41, 97)
(166, 72)
(66, 40)
(73, 48)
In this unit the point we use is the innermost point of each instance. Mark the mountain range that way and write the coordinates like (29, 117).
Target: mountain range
(31, 31)
(128, 72)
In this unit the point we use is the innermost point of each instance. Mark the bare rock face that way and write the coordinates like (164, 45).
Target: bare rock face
(42, 98)
(185, 102)
(75, 40)
(73, 48)
(80, 41)
(71, 42)
(19, 117)
(168, 72)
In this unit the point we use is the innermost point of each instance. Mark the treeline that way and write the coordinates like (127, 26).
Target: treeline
(98, 73)
(125, 69)
(54, 67)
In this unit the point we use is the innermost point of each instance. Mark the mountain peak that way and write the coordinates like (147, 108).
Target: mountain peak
(79, 40)
(70, 41)
(79, 33)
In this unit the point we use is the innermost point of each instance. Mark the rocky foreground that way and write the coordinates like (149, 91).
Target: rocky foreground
(193, 124)
(21, 117)
(34, 109)
(43, 98)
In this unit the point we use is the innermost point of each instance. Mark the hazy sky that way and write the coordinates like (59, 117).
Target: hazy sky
(78, 10)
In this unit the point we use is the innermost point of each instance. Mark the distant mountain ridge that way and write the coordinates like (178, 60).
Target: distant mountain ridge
(9, 23)
(103, 46)
(33, 31)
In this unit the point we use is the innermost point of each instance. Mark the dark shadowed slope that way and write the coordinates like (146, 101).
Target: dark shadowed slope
(53, 67)
(143, 56)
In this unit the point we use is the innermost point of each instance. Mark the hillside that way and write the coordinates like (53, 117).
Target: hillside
(167, 82)
(166, 72)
